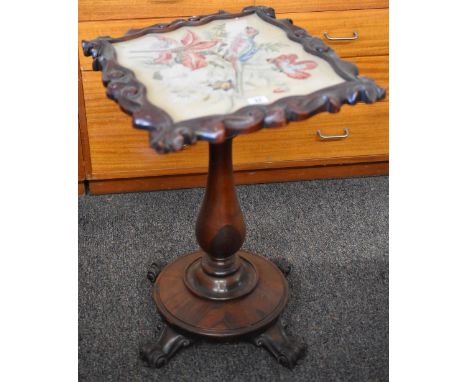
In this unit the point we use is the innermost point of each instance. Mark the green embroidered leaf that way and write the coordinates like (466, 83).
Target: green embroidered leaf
(157, 76)
(271, 46)
(215, 64)
(220, 31)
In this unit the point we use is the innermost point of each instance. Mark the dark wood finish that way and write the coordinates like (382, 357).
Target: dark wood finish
(220, 231)
(285, 349)
(157, 354)
(221, 292)
(291, 174)
(220, 226)
(222, 307)
(167, 136)
(220, 319)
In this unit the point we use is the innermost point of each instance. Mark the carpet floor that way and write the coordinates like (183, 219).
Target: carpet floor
(333, 232)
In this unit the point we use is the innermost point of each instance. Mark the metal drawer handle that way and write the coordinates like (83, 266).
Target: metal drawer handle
(328, 37)
(325, 137)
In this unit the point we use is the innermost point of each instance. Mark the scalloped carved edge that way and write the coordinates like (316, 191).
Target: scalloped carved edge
(167, 136)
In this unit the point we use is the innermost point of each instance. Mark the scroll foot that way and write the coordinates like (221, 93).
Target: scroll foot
(153, 272)
(157, 354)
(285, 349)
(283, 264)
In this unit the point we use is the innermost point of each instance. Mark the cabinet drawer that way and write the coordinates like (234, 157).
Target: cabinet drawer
(375, 67)
(371, 25)
(283, 6)
(117, 150)
(139, 9)
(299, 145)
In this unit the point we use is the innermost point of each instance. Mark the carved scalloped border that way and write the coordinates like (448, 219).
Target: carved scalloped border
(167, 136)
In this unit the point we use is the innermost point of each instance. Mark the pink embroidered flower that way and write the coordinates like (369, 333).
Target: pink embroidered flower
(162, 57)
(188, 51)
(288, 64)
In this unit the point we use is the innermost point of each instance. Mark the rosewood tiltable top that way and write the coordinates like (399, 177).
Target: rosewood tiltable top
(212, 78)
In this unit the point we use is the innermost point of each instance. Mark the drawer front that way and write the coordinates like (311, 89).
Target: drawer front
(284, 6)
(298, 144)
(371, 25)
(139, 9)
(375, 67)
(81, 169)
(117, 150)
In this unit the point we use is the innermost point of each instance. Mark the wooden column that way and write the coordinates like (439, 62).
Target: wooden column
(220, 274)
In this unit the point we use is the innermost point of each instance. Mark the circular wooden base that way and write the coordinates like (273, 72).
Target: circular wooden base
(213, 287)
(230, 318)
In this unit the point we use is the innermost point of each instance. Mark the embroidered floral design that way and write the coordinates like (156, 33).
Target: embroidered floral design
(288, 64)
(232, 64)
(190, 51)
(241, 49)
(243, 46)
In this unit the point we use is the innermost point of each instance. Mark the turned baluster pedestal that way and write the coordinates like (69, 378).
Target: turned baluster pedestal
(221, 292)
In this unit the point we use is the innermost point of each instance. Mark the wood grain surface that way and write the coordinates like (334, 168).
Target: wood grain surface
(139, 9)
(82, 127)
(98, 187)
(81, 169)
(118, 150)
(283, 6)
(372, 26)
(220, 319)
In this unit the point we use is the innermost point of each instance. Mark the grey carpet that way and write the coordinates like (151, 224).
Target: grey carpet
(334, 232)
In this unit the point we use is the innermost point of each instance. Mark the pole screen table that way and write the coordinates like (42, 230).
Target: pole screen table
(212, 78)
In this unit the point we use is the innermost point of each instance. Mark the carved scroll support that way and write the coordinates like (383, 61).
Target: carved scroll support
(157, 354)
(284, 348)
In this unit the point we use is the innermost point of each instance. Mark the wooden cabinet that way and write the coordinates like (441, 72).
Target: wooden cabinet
(144, 9)
(81, 170)
(118, 158)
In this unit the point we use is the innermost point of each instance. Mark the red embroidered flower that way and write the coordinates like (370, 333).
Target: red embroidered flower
(288, 64)
(186, 51)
